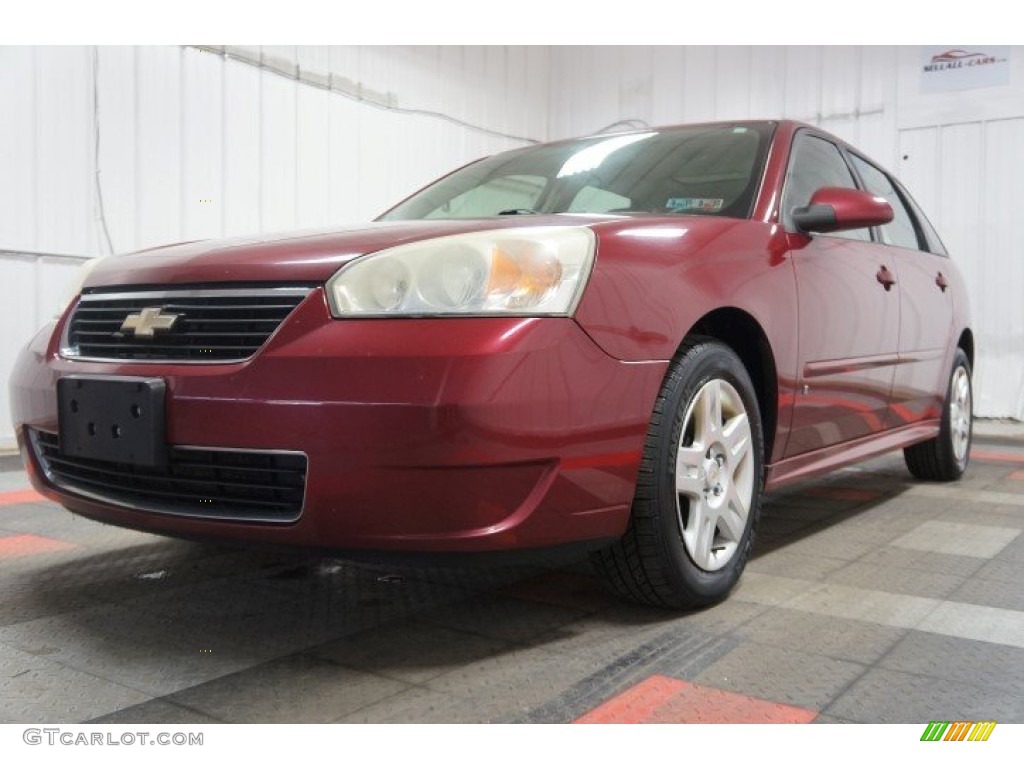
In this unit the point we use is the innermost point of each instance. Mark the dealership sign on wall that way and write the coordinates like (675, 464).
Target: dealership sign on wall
(956, 69)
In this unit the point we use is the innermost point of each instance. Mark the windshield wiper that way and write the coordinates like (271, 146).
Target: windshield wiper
(517, 212)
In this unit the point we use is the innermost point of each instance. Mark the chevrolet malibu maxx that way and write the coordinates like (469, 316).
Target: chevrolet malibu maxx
(618, 342)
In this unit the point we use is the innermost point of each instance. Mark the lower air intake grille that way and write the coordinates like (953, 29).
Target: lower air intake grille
(254, 486)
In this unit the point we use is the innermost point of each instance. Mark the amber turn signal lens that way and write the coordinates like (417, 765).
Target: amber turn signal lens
(526, 277)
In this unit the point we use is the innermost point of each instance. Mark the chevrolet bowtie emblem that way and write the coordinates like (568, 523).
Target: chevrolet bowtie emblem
(148, 322)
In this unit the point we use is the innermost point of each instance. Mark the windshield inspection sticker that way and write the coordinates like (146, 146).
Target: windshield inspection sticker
(704, 204)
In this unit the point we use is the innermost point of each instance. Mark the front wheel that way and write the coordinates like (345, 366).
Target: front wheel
(945, 457)
(698, 494)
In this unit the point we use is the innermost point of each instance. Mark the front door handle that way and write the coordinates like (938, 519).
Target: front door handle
(942, 282)
(885, 277)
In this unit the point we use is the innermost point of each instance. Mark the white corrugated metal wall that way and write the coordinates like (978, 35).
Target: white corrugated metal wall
(198, 143)
(195, 143)
(961, 153)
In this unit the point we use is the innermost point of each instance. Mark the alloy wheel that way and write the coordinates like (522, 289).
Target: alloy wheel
(960, 413)
(715, 474)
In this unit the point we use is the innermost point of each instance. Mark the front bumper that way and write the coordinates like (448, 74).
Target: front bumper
(468, 434)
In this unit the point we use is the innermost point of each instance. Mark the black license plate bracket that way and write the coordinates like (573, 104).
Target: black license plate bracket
(119, 419)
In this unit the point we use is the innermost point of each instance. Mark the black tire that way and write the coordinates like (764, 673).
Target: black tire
(945, 457)
(653, 562)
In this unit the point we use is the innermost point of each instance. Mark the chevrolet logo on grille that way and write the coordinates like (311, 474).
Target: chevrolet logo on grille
(148, 321)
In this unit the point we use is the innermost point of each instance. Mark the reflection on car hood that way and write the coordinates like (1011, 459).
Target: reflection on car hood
(313, 256)
(310, 256)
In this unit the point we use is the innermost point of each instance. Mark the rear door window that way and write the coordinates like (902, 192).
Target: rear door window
(901, 231)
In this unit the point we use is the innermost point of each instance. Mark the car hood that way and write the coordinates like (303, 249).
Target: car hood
(313, 256)
(295, 257)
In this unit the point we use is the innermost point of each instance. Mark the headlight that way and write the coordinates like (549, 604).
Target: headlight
(79, 280)
(528, 271)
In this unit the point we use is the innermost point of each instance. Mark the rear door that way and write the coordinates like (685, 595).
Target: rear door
(849, 312)
(926, 312)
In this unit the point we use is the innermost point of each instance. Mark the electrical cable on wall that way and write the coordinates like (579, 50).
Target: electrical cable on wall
(102, 215)
(628, 123)
(298, 77)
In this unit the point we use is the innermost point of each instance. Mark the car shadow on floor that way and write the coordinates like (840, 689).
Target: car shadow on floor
(166, 616)
(168, 576)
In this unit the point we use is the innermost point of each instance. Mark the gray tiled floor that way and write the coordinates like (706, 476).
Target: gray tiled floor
(785, 675)
(868, 598)
(981, 664)
(292, 689)
(410, 652)
(841, 639)
(882, 695)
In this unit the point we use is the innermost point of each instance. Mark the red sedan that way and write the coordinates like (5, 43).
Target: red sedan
(618, 342)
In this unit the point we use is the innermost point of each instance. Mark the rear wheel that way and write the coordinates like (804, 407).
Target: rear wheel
(698, 494)
(945, 457)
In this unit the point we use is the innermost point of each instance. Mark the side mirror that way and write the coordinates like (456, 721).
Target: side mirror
(833, 209)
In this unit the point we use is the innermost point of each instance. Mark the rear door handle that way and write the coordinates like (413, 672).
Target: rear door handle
(885, 277)
(942, 282)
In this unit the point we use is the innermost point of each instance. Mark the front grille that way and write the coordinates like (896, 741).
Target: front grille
(214, 325)
(259, 486)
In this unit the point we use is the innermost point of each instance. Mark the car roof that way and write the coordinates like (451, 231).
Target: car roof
(788, 127)
(676, 126)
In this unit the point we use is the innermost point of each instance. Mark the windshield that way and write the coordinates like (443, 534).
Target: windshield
(710, 170)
